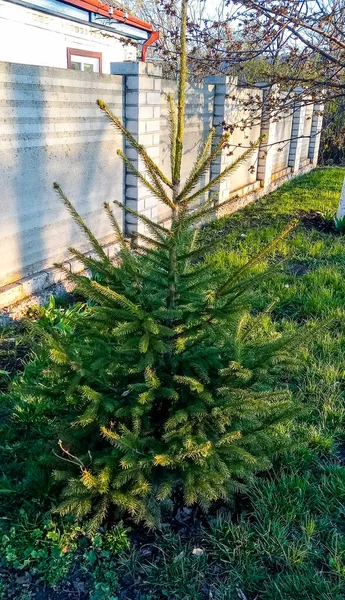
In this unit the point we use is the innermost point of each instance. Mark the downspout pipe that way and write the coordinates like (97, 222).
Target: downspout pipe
(154, 36)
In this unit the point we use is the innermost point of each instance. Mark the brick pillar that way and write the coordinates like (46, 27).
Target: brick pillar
(267, 149)
(315, 133)
(224, 89)
(298, 120)
(142, 98)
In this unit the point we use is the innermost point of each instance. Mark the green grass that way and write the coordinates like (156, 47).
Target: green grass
(284, 539)
(287, 539)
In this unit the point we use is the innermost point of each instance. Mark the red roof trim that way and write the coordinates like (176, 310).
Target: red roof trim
(103, 9)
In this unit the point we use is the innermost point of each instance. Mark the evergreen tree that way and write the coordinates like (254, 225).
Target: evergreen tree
(162, 387)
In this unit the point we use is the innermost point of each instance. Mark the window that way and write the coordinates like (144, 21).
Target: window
(83, 60)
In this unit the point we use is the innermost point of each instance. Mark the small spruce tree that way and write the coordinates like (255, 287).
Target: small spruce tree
(163, 387)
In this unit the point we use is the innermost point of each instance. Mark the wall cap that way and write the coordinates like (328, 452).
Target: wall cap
(135, 68)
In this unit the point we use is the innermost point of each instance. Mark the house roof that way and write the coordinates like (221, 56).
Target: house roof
(110, 11)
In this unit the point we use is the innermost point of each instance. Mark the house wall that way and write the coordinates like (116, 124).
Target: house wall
(51, 129)
(32, 37)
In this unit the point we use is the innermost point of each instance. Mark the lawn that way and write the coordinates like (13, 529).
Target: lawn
(284, 537)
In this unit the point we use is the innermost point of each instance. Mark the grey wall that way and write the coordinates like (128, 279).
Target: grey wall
(199, 114)
(306, 131)
(240, 139)
(52, 130)
(283, 135)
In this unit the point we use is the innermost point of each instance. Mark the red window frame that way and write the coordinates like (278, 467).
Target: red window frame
(86, 53)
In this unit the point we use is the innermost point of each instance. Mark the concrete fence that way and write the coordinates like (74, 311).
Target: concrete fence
(52, 130)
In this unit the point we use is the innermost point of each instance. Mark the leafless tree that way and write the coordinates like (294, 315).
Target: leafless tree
(203, 17)
(295, 46)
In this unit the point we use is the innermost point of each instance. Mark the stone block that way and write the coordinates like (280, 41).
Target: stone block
(124, 68)
(151, 202)
(132, 192)
(133, 126)
(154, 213)
(132, 112)
(131, 153)
(153, 125)
(219, 110)
(153, 98)
(147, 139)
(135, 205)
(145, 112)
(153, 152)
(131, 180)
(139, 83)
(131, 219)
(133, 98)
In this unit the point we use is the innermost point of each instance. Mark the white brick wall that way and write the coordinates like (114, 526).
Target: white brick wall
(217, 101)
(315, 133)
(297, 132)
(141, 84)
